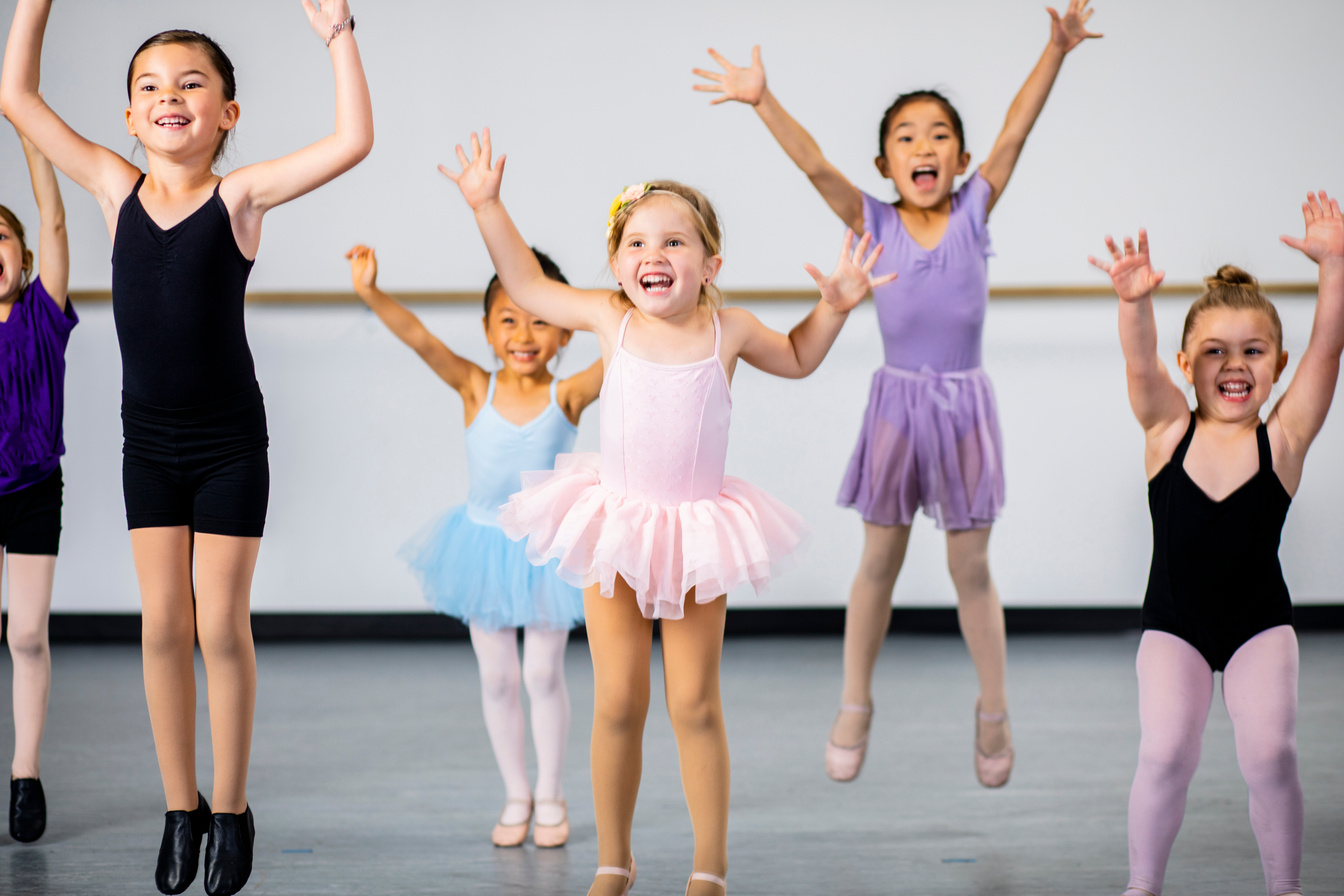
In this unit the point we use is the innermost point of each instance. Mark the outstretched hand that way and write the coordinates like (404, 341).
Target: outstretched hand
(744, 85)
(1325, 229)
(1131, 272)
(477, 180)
(363, 267)
(324, 14)
(1069, 30)
(852, 278)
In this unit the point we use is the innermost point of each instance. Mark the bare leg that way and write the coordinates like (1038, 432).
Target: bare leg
(692, 649)
(620, 640)
(981, 618)
(1175, 690)
(163, 566)
(867, 619)
(497, 660)
(544, 675)
(30, 578)
(1260, 690)
(224, 567)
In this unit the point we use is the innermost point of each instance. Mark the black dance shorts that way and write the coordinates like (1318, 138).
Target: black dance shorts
(30, 518)
(203, 467)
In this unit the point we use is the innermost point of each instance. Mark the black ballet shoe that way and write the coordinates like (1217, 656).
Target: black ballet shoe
(228, 853)
(180, 851)
(27, 809)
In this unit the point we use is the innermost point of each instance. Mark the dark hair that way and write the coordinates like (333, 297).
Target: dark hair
(548, 267)
(919, 96)
(27, 254)
(1232, 288)
(218, 58)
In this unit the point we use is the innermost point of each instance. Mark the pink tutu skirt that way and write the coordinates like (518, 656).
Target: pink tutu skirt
(929, 440)
(662, 551)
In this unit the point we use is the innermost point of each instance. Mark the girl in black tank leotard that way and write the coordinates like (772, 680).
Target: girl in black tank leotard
(1219, 486)
(195, 472)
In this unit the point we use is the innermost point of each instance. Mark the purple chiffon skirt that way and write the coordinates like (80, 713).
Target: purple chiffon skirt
(929, 440)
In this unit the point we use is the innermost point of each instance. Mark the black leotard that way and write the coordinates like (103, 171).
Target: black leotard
(177, 299)
(1215, 581)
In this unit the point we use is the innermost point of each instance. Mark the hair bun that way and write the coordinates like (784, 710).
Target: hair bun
(1231, 275)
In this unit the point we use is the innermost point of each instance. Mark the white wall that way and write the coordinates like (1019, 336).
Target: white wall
(1203, 121)
(1194, 119)
(366, 446)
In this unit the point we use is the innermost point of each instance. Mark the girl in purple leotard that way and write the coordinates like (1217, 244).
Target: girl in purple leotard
(930, 436)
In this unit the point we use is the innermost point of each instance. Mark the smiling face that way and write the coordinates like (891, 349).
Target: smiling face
(181, 106)
(523, 342)
(661, 261)
(922, 154)
(1232, 358)
(14, 260)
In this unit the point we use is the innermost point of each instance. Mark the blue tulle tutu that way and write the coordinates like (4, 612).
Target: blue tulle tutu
(476, 573)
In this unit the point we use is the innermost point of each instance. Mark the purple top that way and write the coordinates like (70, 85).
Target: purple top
(932, 315)
(32, 387)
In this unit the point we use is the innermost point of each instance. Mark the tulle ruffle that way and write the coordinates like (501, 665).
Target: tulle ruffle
(741, 536)
(476, 573)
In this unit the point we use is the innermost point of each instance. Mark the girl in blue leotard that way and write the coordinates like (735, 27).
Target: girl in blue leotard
(518, 418)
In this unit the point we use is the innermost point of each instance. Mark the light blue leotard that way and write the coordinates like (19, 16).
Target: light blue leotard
(466, 564)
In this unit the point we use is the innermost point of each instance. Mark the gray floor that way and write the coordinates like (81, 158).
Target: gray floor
(371, 774)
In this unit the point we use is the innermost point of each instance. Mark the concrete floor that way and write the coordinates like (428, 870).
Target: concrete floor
(371, 774)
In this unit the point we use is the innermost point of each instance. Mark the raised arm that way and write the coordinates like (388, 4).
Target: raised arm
(1301, 412)
(580, 390)
(1157, 402)
(803, 349)
(1066, 32)
(457, 372)
(517, 266)
(53, 243)
(96, 168)
(252, 191)
(747, 85)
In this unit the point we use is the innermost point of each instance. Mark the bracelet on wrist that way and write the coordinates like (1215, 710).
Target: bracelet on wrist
(341, 26)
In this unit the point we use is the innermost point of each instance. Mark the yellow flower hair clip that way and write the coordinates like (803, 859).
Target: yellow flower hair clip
(628, 195)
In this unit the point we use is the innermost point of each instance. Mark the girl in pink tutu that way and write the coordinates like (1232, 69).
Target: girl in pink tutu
(1218, 476)
(930, 436)
(653, 521)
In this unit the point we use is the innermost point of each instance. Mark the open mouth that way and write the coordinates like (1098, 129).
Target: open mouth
(172, 121)
(524, 357)
(925, 177)
(656, 284)
(1235, 390)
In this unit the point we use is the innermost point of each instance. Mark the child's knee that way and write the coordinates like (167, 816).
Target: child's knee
(969, 571)
(621, 707)
(543, 679)
(694, 709)
(27, 643)
(1271, 761)
(167, 632)
(1173, 758)
(500, 683)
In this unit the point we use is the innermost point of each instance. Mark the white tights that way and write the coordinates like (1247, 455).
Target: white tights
(543, 672)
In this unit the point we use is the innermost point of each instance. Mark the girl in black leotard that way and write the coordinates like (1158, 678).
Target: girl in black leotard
(1219, 485)
(195, 471)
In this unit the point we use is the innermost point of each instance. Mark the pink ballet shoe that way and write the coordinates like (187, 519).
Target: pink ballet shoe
(620, 872)
(843, 763)
(511, 834)
(992, 771)
(712, 878)
(549, 836)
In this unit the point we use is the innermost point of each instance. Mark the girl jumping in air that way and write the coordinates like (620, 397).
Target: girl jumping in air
(1219, 486)
(930, 436)
(36, 318)
(652, 529)
(518, 418)
(195, 472)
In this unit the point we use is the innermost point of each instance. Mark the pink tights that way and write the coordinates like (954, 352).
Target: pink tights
(1260, 692)
(543, 671)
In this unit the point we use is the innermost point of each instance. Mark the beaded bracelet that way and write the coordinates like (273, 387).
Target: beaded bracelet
(341, 26)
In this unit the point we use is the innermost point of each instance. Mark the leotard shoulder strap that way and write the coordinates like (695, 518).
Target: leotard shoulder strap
(625, 322)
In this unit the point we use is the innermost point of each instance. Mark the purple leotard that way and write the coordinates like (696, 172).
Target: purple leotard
(930, 435)
(32, 387)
